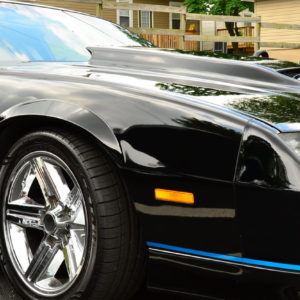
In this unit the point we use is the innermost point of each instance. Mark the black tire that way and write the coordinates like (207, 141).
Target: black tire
(113, 259)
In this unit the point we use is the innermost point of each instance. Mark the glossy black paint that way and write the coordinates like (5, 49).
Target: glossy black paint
(209, 225)
(268, 197)
(181, 122)
(159, 139)
(218, 280)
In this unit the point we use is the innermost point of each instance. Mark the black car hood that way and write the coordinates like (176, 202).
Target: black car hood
(241, 87)
(151, 61)
(253, 87)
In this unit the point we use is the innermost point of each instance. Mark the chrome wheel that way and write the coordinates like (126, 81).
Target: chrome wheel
(45, 222)
(68, 229)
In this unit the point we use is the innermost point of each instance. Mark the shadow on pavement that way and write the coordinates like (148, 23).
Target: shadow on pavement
(7, 293)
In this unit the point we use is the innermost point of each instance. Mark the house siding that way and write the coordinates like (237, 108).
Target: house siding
(161, 20)
(85, 8)
(282, 12)
(110, 15)
(88, 8)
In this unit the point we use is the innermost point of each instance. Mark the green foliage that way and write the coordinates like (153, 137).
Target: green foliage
(218, 7)
(275, 109)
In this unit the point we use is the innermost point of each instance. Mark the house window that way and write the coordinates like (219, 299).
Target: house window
(175, 18)
(220, 47)
(124, 17)
(146, 19)
(175, 21)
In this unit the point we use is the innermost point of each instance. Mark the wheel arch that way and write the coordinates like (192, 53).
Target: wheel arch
(15, 125)
(24, 118)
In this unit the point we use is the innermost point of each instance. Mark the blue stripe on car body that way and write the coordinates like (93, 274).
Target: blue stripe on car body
(234, 259)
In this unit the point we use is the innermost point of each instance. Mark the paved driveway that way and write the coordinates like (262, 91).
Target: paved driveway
(7, 293)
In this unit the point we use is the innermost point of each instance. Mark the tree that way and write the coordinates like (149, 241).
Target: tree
(221, 7)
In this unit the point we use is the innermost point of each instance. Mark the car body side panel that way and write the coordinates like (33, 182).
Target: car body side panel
(267, 263)
(268, 197)
(197, 155)
(199, 276)
(190, 147)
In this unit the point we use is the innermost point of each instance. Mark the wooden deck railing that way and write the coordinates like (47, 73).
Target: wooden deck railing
(184, 38)
(180, 38)
(248, 48)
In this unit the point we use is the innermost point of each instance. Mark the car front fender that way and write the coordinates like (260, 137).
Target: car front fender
(68, 112)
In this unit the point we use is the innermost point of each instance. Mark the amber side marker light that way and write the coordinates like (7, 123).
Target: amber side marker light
(174, 196)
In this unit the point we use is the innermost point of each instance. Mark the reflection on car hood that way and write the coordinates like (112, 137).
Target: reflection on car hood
(149, 61)
(241, 87)
(268, 62)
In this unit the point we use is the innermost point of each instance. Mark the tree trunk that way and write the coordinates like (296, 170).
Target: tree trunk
(233, 31)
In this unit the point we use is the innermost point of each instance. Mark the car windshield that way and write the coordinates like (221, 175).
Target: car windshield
(32, 33)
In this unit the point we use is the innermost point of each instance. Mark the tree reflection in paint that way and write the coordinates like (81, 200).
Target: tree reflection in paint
(267, 62)
(192, 90)
(274, 108)
(283, 108)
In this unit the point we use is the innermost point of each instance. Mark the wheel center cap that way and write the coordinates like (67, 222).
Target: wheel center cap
(50, 224)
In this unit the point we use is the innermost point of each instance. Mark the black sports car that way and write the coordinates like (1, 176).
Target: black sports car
(122, 163)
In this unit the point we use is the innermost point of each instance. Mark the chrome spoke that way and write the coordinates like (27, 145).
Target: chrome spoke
(74, 202)
(19, 244)
(55, 264)
(42, 259)
(51, 180)
(78, 240)
(70, 260)
(74, 198)
(25, 212)
(28, 179)
(44, 194)
(74, 250)
(76, 226)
